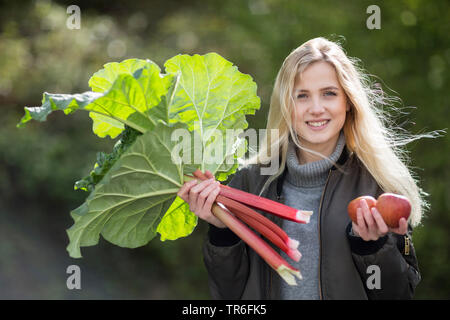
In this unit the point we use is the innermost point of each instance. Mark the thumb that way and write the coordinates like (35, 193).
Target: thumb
(209, 174)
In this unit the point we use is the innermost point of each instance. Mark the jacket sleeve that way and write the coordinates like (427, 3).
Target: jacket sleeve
(227, 268)
(226, 256)
(388, 266)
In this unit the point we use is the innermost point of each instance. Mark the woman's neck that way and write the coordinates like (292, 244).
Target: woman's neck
(324, 149)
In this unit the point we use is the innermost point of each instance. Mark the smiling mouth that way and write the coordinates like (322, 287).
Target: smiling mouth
(317, 124)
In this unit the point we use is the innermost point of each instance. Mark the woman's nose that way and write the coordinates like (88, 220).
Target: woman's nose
(316, 107)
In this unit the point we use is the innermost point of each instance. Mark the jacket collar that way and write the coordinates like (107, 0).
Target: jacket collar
(341, 161)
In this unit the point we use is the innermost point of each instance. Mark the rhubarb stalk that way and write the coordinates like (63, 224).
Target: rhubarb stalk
(243, 211)
(264, 204)
(273, 207)
(294, 254)
(233, 205)
(265, 251)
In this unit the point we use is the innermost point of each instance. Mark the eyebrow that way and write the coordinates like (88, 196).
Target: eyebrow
(323, 89)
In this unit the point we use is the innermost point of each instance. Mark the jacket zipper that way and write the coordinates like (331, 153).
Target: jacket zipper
(320, 243)
(320, 240)
(407, 246)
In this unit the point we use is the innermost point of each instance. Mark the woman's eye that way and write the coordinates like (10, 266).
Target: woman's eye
(327, 93)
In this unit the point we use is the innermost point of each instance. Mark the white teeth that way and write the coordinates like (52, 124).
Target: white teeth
(317, 124)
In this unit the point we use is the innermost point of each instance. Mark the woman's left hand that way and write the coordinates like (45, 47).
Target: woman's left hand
(371, 226)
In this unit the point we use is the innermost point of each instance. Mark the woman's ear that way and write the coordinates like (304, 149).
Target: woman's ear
(347, 104)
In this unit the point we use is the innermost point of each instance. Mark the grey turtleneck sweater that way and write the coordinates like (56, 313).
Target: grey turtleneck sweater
(302, 189)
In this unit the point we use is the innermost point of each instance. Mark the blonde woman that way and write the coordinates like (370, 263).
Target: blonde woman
(334, 145)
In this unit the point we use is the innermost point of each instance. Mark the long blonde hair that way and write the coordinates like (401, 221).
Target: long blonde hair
(370, 132)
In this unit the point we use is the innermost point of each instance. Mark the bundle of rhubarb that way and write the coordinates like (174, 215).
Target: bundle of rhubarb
(235, 209)
(168, 125)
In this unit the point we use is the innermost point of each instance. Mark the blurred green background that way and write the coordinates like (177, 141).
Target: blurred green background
(409, 55)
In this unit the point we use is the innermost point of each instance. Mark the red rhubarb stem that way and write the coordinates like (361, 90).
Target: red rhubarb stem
(264, 250)
(273, 207)
(294, 254)
(261, 203)
(242, 209)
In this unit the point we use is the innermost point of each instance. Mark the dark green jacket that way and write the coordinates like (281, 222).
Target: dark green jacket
(237, 272)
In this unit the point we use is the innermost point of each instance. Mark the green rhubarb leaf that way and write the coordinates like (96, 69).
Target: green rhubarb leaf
(127, 102)
(133, 189)
(212, 93)
(127, 205)
(221, 153)
(106, 161)
(104, 126)
(211, 97)
(177, 222)
(103, 79)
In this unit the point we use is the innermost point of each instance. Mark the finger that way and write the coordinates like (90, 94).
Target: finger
(362, 228)
(382, 227)
(208, 174)
(199, 175)
(370, 222)
(182, 193)
(402, 227)
(195, 192)
(204, 195)
(211, 198)
(202, 185)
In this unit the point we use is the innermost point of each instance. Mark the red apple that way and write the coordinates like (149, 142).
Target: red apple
(354, 204)
(392, 207)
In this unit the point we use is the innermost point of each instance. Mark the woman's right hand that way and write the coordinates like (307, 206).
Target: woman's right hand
(201, 196)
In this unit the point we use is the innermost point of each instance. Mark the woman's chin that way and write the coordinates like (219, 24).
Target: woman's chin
(317, 139)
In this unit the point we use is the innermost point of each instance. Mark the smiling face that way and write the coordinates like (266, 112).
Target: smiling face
(321, 106)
